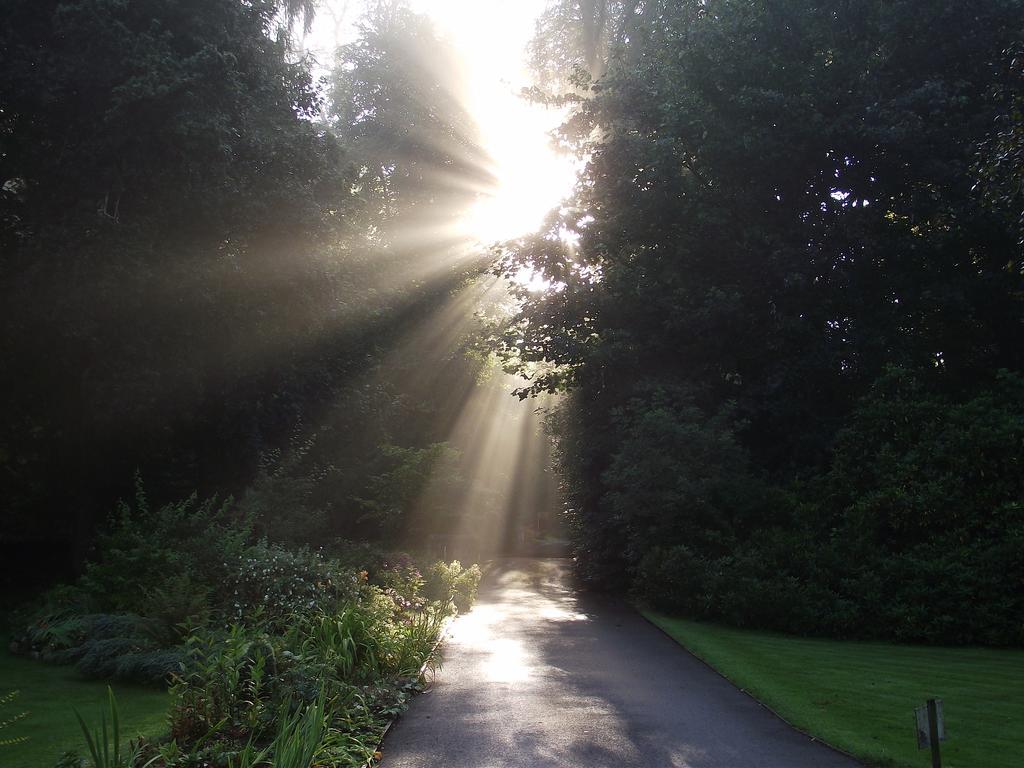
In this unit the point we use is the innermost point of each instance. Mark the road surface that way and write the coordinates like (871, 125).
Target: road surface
(538, 675)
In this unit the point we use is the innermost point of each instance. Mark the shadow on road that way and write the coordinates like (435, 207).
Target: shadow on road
(541, 673)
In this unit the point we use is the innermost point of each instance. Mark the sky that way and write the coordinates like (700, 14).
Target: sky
(490, 38)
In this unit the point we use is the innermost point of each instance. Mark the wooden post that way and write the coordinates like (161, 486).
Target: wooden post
(933, 733)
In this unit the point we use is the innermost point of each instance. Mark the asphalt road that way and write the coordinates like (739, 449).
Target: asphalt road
(538, 674)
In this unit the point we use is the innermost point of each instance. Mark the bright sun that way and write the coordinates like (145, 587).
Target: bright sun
(532, 178)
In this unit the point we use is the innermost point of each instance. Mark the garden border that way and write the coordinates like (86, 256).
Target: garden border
(442, 635)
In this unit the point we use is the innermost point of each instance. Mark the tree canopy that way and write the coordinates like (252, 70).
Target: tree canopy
(783, 303)
(208, 263)
(780, 236)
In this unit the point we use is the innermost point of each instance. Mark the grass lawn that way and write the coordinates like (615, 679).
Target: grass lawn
(48, 694)
(861, 696)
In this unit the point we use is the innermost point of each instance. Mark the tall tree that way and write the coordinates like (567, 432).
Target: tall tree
(778, 205)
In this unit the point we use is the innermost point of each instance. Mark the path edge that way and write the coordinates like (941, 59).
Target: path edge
(441, 637)
(748, 694)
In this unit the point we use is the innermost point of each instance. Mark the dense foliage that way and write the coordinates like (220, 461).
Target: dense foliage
(207, 268)
(215, 269)
(250, 635)
(787, 298)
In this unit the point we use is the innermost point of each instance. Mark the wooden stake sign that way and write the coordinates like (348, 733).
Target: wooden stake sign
(931, 729)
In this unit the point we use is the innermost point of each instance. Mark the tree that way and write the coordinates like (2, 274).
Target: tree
(777, 206)
(189, 278)
(396, 98)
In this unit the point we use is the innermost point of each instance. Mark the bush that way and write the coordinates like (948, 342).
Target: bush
(401, 580)
(160, 572)
(915, 533)
(916, 466)
(280, 501)
(674, 579)
(145, 552)
(365, 641)
(305, 633)
(360, 660)
(272, 582)
(451, 584)
(223, 682)
(61, 637)
(102, 646)
(181, 602)
(125, 659)
(924, 494)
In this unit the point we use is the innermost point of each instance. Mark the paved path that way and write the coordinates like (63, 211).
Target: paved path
(539, 675)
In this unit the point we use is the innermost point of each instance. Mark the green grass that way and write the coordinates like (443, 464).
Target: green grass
(48, 694)
(860, 697)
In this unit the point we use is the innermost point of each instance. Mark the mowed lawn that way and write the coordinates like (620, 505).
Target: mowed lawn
(860, 697)
(48, 693)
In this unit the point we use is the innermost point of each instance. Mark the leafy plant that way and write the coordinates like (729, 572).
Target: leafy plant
(274, 582)
(9, 721)
(222, 681)
(329, 640)
(69, 759)
(169, 550)
(302, 735)
(401, 580)
(414, 640)
(249, 757)
(121, 646)
(452, 584)
(181, 601)
(103, 744)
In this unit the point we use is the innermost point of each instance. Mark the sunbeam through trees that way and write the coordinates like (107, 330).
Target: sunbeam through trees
(311, 308)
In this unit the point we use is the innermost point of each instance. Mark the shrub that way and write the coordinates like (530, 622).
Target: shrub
(413, 641)
(148, 551)
(367, 640)
(280, 502)
(674, 579)
(181, 602)
(124, 659)
(272, 582)
(49, 634)
(222, 682)
(102, 646)
(916, 466)
(245, 679)
(914, 533)
(451, 584)
(401, 580)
